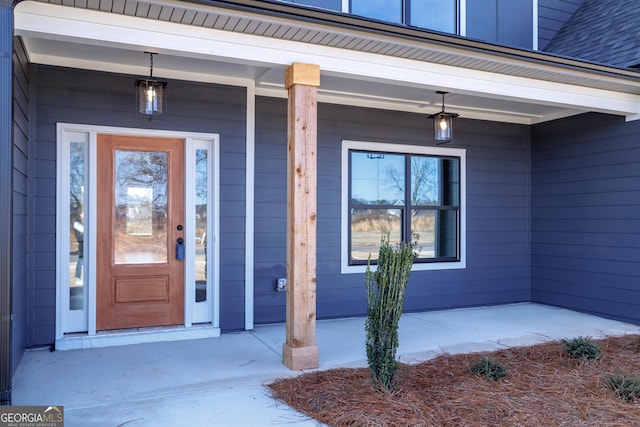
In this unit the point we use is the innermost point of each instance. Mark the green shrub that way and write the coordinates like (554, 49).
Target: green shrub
(385, 297)
(626, 387)
(581, 348)
(489, 368)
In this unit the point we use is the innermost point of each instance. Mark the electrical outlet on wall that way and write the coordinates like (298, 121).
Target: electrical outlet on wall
(281, 285)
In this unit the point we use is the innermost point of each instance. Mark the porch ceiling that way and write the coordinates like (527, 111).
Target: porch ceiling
(363, 62)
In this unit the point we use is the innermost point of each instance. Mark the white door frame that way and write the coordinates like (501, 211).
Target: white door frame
(77, 328)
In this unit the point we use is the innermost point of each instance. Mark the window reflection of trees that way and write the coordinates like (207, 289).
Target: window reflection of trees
(425, 182)
(390, 180)
(76, 189)
(201, 169)
(377, 179)
(201, 194)
(76, 178)
(76, 224)
(201, 176)
(413, 197)
(142, 170)
(141, 186)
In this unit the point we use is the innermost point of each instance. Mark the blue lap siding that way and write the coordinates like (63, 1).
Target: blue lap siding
(586, 215)
(497, 214)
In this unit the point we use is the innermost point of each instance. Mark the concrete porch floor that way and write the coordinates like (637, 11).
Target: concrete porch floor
(220, 381)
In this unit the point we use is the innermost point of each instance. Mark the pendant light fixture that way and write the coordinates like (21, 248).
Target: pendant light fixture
(443, 124)
(150, 94)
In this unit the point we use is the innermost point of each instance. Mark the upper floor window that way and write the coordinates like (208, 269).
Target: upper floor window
(439, 15)
(413, 193)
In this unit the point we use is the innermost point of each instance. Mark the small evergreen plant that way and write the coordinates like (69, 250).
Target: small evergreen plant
(581, 348)
(625, 387)
(385, 297)
(489, 368)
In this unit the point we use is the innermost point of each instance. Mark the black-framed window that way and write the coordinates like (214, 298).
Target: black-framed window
(439, 15)
(415, 198)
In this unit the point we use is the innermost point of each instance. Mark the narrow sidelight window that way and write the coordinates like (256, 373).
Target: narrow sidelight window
(77, 205)
(201, 231)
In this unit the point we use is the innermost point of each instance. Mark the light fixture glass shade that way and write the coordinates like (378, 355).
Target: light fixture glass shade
(150, 96)
(443, 128)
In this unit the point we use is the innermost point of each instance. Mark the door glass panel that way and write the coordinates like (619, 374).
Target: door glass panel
(140, 220)
(77, 158)
(202, 191)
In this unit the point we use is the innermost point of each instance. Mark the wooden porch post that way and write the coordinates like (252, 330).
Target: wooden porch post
(300, 351)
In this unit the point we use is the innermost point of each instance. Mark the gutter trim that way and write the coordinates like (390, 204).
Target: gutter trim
(372, 26)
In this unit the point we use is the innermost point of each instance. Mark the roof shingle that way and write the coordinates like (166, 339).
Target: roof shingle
(606, 32)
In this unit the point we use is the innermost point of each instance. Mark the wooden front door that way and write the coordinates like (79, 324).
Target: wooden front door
(140, 217)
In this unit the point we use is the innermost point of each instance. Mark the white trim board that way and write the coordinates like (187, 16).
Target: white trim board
(140, 336)
(249, 207)
(461, 153)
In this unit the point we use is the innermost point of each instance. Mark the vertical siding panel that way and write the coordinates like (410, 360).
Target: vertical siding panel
(586, 215)
(498, 205)
(507, 22)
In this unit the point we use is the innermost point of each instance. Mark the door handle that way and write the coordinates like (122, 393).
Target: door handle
(180, 249)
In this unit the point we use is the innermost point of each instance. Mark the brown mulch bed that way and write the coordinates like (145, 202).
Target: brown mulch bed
(544, 387)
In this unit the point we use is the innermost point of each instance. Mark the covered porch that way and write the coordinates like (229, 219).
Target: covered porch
(525, 116)
(222, 381)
